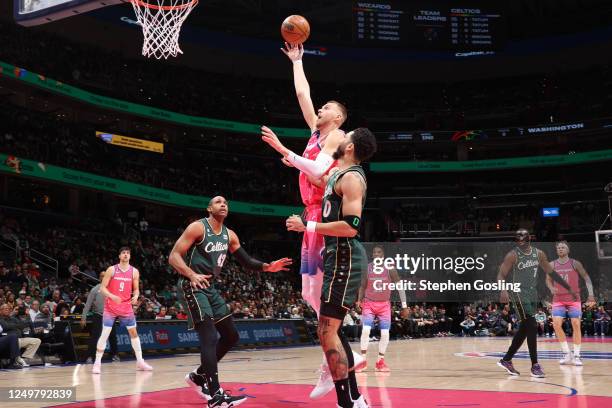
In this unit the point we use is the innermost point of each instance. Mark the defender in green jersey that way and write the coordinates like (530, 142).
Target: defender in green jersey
(345, 259)
(523, 264)
(198, 255)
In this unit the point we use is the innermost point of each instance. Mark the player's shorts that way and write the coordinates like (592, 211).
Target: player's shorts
(201, 304)
(344, 264)
(571, 309)
(371, 309)
(128, 320)
(313, 244)
(526, 305)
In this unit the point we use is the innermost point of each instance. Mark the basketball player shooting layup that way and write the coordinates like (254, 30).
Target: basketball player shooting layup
(570, 270)
(120, 286)
(345, 259)
(314, 163)
(198, 255)
(374, 300)
(523, 263)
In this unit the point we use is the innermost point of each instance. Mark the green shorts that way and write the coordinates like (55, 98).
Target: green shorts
(344, 264)
(201, 303)
(524, 304)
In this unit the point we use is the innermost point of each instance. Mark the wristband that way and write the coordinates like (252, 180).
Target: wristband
(297, 61)
(404, 305)
(311, 226)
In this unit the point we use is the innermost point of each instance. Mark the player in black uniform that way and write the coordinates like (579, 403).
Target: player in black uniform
(198, 255)
(345, 259)
(521, 265)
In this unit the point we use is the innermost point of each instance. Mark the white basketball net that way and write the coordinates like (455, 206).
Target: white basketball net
(161, 22)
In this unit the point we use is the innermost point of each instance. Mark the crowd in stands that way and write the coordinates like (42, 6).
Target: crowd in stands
(428, 320)
(53, 140)
(36, 296)
(495, 321)
(521, 101)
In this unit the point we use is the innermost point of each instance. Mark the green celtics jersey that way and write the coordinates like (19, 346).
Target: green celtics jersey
(207, 256)
(525, 272)
(332, 202)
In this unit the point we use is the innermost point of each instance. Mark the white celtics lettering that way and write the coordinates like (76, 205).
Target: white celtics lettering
(528, 264)
(216, 247)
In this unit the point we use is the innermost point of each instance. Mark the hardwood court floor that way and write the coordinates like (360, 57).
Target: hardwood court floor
(439, 372)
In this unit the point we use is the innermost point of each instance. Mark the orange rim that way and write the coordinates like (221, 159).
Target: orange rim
(158, 7)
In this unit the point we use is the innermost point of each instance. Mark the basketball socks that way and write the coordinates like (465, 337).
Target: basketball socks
(384, 343)
(228, 336)
(528, 329)
(352, 378)
(102, 343)
(532, 339)
(208, 355)
(365, 339)
(565, 347)
(343, 393)
(137, 348)
(99, 355)
(577, 350)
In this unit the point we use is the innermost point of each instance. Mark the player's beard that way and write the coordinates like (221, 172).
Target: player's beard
(339, 153)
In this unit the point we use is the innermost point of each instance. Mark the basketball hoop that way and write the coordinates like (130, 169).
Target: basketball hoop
(161, 22)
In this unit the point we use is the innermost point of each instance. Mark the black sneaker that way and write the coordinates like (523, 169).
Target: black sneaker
(223, 400)
(508, 366)
(537, 372)
(198, 383)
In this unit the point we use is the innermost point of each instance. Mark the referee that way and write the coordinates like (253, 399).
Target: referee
(95, 303)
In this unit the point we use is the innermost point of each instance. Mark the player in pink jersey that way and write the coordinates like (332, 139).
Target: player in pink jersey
(374, 300)
(314, 164)
(120, 286)
(563, 303)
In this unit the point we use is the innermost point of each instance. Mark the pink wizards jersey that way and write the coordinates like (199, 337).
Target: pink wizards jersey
(311, 195)
(570, 275)
(377, 289)
(121, 285)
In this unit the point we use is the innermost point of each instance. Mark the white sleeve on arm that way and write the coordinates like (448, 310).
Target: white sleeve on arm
(313, 168)
(402, 295)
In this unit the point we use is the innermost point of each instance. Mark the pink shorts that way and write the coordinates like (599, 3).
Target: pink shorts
(313, 245)
(382, 310)
(572, 310)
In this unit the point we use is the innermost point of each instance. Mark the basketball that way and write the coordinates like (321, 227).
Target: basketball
(295, 29)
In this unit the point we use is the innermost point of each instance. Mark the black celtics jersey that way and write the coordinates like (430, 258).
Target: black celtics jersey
(207, 256)
(525, 272)
(345, 259)
(332, 202)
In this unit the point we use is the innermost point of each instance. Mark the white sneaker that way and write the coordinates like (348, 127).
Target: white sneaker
(360, 403)
(143, 366)
(360, 361)
(567, 359)
(577, 361)
(324, 385)
(21, 362)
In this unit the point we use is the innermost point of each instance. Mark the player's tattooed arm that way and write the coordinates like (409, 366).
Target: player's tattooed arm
(504, 269)
(587, 281)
